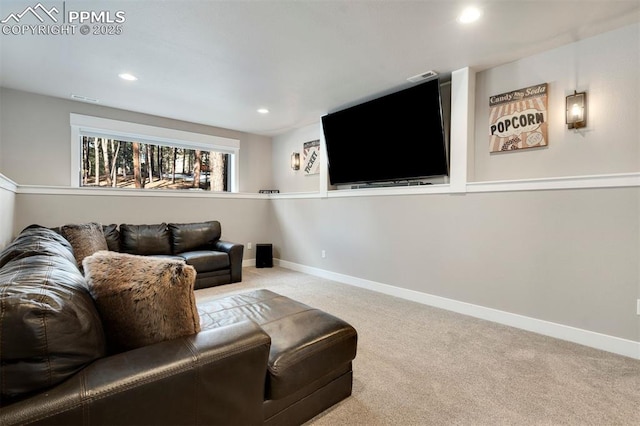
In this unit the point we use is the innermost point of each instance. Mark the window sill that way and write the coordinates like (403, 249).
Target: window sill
(130, 192)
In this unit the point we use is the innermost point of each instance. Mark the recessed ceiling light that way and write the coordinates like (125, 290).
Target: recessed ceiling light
(469, 15)
(263, 111)
(127, 76)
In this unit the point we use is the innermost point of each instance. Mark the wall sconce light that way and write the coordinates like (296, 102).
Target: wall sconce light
(577, 110)
(295, 161)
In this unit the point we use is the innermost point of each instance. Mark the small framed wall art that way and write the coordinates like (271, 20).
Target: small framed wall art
(518, 119)
(311, 157)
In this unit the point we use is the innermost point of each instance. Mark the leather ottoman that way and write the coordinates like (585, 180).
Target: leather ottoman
(309, 367)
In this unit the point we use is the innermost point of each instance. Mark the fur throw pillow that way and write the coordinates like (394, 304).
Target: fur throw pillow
(142, 300)
(86, 239)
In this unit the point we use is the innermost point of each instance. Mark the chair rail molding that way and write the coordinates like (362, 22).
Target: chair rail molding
(8, 184)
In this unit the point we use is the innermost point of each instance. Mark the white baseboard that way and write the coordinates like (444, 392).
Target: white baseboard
(248, 262)
(592, 339)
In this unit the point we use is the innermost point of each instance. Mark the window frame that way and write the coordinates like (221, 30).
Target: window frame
(84, 125)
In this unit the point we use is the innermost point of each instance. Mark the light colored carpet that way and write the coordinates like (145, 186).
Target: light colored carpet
(418, 365)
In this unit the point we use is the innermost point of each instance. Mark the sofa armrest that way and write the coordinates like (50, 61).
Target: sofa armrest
(214, 377)
(235, 252)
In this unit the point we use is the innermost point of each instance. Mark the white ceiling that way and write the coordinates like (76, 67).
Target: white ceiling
(217, 62)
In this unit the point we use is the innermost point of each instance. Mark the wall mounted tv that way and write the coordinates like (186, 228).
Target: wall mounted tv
(395, 138)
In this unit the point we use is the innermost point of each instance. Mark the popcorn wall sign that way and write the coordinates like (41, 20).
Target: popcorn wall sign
(518, 119)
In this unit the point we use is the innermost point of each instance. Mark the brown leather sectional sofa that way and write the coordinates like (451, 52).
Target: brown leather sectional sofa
(261, 358)
(216, 261)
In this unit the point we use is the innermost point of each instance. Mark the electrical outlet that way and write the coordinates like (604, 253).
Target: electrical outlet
(638, 307)
(324, 254)
(249, 246)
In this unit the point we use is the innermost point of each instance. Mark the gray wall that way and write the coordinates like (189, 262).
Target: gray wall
(286, 179)
(565, 256)
(1, 130)
(7, 199)
(606, 66)
(36, 139)
(243, 220)
(7, 206)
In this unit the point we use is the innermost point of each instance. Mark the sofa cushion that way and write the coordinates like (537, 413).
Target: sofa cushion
(142, 300)
(194, 236)
(37, 240)
(85, 238)
(313, 344)
(49, 326)
(112, 235)
(145, 239)
(206, 260)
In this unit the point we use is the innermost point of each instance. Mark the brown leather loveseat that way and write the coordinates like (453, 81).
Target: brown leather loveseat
(260, 358)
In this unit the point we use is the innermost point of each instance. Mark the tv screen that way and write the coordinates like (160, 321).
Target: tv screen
(394, 138)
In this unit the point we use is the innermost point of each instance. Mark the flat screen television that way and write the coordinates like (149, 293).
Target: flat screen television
(395, 138)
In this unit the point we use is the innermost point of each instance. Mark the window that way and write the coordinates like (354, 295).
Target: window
(116, 154)
(122, 164)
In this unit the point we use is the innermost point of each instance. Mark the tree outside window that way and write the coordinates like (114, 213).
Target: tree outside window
(109, 162)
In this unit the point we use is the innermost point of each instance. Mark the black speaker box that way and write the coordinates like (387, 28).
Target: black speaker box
(264, 255)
